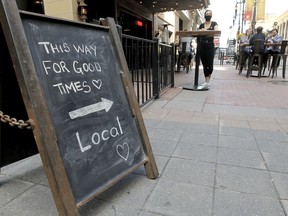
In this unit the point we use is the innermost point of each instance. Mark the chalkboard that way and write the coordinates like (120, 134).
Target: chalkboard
(76, 89)
(97, 136)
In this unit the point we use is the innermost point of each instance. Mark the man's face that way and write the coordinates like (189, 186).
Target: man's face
(274, 33)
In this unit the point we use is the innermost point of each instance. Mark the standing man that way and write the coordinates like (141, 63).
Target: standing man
(207, 49)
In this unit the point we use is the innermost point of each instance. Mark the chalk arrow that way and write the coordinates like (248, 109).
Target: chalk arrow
(83, 111)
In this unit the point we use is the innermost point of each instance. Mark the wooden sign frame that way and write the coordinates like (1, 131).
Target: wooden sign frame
(41, 118)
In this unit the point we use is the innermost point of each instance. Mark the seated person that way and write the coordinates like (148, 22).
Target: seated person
(273, 38)
(188, 50)
(245, 50)
(257, 36)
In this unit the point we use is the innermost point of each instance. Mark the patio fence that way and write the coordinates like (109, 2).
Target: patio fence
(151, 65)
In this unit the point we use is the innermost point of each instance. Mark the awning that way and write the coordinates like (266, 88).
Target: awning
(158, 6)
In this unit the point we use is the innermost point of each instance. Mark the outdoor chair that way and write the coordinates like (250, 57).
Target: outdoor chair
(242, 62)
(268, 64)
(258, 51)
(277, 57)
(183, 58)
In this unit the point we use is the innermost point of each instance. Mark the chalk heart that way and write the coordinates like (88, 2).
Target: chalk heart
(123, 151)
(97, 83)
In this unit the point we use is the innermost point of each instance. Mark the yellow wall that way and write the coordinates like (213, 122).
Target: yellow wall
(261, 10)
(66, 9)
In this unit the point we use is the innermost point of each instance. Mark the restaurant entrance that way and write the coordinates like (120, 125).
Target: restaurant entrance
(135, 26)
(132, 24)
(15, 143)
(35, 6)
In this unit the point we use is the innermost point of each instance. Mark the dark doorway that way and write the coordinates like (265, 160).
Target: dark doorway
(131, 24)
(35, 6)
(135, 26)
(100, 9)
(181, 25)
(15, 143)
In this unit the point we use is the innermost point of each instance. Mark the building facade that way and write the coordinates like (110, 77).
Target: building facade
(134, 18)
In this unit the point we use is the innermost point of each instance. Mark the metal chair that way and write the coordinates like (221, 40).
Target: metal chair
(183, 58)
(257, 52)
(267, 64)
(242, 61)
(276, 59)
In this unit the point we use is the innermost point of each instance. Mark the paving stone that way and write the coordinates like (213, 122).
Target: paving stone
(271, 135)
(230, 203)
(163, 147)
(196, 152)
(237, 143)
(242, 158)
(170, 135)
(245, 180)
(268, 146)
(11, 188)
(281, 183)
(131, 189)
(276, 161)
(234, 131)
(198, 138)
(99, 207)
(170, 198)
(285, 205)
(36, 201)
(187, 171)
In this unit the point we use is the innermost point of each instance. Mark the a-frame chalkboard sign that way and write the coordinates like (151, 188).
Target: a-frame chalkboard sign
(76, 87)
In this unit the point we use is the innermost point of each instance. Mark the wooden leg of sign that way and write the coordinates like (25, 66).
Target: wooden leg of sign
(150, 165)
(151, 168)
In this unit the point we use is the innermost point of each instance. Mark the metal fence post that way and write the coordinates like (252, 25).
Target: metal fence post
(173, 55)
(156, 59)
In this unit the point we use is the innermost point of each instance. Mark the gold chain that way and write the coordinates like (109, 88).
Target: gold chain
(14, 122)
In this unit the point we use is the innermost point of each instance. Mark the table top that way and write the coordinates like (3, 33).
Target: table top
(265, 44)
(272, 44)
(197, 33)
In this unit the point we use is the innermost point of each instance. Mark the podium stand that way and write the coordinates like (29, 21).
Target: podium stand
(199, 34)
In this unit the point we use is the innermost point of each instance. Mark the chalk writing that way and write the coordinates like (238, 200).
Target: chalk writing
(85, 49)
(75, 87)
(51, 48)
(83, 111)
(86, 67)
(78, 86)
(75, 67)
(123, 151)
(104, 135)
(79, 68)
(55, 48)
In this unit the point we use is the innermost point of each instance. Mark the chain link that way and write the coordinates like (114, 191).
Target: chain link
(13, 121)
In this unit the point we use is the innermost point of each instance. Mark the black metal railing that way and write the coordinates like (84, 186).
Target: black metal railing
(151, 65)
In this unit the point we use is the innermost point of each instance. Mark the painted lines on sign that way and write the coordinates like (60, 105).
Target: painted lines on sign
(105, 104)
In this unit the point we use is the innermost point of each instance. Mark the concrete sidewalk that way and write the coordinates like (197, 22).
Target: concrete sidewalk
(222, 152)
